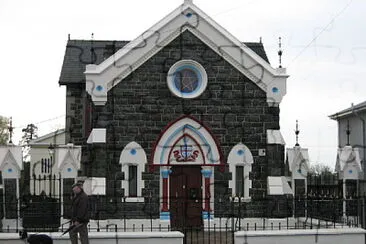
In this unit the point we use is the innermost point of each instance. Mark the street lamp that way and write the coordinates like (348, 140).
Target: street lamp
(51, 151)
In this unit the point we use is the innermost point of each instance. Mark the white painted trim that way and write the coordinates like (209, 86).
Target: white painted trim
(134, 199)
(157, 237)
(9, 162)
(133, 154)
(275, 137)
(348, 163)
(298, 158)
(95, 186)
(278, 185)
(171, 77)
(240, 155)
(68, 155)
(97, 135)
(192, 128)
(114, 69)
(11, 155)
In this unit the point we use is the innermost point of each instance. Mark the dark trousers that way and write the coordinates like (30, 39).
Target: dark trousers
(83, 233)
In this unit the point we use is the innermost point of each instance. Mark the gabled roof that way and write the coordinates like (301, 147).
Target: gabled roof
(45, 139)
(187, 17)
(11, 154)
(79, 53)
(347, 112)
(102, 77)
(297, 157)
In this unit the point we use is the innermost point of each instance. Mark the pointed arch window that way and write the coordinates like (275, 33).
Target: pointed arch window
(240, 162)
(133, 160)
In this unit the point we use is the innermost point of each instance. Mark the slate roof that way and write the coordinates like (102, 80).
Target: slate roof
(348, 111)
(79, 53)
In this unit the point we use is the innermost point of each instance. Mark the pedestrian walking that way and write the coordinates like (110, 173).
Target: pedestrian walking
(80, 215)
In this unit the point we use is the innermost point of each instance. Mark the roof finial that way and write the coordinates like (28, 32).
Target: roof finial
(92, 51)
(188, 1)
(297, 134)
(280, 51)
(68, 36)
(10, 128)
(348, 132)
(260, 39)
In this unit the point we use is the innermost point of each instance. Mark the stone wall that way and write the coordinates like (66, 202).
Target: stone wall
(141, 106)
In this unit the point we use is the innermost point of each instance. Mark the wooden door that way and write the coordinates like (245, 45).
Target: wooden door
(186, 196)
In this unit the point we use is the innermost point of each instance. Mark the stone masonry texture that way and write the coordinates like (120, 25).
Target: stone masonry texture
(139, 107)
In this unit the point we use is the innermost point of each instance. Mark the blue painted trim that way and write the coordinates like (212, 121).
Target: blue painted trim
(206, 173)
(167, 146)
(206, 214)
(165, 173)
(164, 215)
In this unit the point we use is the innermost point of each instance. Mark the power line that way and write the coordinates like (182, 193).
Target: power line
(321, 32)
(41, 122)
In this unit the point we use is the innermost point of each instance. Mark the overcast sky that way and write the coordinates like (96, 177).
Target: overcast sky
(324, 44)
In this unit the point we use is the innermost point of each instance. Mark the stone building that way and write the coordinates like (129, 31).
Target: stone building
(185, 117)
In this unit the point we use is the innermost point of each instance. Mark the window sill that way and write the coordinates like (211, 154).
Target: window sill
(242, 199)
(134, 199)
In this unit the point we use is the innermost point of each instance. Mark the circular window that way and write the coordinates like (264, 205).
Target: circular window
(187, 79)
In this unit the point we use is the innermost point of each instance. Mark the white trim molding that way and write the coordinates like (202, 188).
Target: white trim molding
(348, 163)
(297, 159)
(11, 161)
(178, 70)
(187, 17)
(68, 159)
(180, 130)
(133, 154)
(97, 135)
(275, 137)
(240, 155)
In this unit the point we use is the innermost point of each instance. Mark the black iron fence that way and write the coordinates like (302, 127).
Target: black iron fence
(45, 202)
(44, 213)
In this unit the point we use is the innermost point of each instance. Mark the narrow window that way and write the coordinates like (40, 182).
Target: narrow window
(239, 180)
(132, 180)
(42, 165)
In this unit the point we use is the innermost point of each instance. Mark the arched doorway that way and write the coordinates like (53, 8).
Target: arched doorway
(186, 153)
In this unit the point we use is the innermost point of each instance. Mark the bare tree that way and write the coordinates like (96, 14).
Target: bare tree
(30, 133)
(4, 130)
(320, 169)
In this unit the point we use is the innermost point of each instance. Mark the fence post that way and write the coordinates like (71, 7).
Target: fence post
(363, 212)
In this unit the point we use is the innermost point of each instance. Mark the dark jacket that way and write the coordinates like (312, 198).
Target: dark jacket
(80, 208)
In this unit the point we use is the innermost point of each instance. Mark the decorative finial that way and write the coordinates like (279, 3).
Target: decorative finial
(10, 128)
(297, 134)
(92, 53)
(260, 39)
(188, 1)
(348, 132)
(68, 36)
(280, 52)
